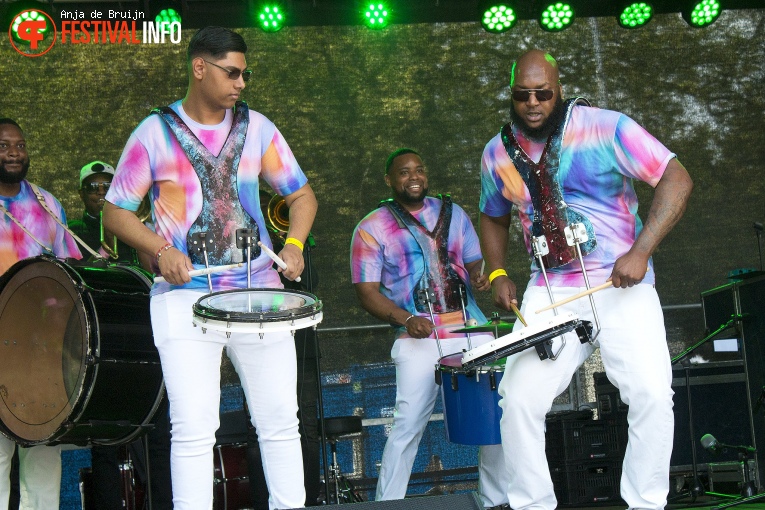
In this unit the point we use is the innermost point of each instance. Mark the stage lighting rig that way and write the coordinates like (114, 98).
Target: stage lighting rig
(497, 17)
(270, 18)
(556, 16)
(635, 14)
(376, 15)
(701, 13)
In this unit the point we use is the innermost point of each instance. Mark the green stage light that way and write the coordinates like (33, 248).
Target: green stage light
(376, 16)
(702, 13)
(168, 16)
(556, 17)
(270, 18)
(636, 15)
(28, 16)
(498, 18)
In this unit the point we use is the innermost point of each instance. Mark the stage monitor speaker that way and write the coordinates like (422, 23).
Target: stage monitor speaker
(464, 501)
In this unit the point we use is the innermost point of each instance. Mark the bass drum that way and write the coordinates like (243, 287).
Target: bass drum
(77, 358)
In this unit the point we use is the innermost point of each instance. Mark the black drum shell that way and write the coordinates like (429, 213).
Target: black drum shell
(78, 363)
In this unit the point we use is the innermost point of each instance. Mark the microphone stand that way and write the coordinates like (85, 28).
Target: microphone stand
(309, 287)
(697, 488)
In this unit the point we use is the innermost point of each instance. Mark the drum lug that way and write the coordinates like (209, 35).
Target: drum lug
(438, 376)
(492, 380)
(204, 331)
(455, 385)
(90, 360)
(68, 425)
(228, 334)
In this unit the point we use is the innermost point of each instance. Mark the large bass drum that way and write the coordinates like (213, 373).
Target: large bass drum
(77, 358)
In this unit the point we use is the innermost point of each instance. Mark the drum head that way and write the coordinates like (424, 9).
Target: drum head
(257, 305)
(43, 340)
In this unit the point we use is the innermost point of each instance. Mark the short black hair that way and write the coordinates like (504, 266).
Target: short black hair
(215, 42)
(398, 152)
(6, 120)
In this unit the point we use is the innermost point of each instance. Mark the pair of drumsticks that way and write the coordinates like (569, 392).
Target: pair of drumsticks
(559, 303)
(217, 269)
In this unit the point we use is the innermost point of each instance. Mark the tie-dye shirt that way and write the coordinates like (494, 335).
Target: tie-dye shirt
(15, 244)
(382, 251)
(602, 152)
(153, 162)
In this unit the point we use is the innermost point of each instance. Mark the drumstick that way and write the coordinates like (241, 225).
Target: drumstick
(518, 314)
(275, 257)
(576, 296)
(206, 271)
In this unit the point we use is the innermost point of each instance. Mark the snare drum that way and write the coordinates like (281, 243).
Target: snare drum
(257, 311)
(471, 401)
(77, 358)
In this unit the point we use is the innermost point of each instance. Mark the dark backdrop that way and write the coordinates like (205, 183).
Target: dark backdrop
(346, 96)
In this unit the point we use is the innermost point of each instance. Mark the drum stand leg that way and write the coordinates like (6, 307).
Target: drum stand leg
(464, 314)
(540, 249)
(147, 497)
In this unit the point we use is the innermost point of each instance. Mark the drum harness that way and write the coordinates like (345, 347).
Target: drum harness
(440, 234)
(571, 235)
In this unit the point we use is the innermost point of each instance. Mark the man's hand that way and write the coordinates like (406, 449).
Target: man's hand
(477, 280)
(174, 266)
(293, 257)
(503, 292)
(629, 269)
(419, 327)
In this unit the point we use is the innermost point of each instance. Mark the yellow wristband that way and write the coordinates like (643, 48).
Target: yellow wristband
(496, 273)
(292, 240)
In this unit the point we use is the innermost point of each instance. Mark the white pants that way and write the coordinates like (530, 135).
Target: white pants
(636, 358)
(39, 475)
(191, 363)
(416, 392)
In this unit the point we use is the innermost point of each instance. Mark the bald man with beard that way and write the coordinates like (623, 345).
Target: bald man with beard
(562, 162)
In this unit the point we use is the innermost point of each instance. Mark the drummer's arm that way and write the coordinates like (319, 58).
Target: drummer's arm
(494, 238)
(386, 310)
(174, 266)
(302, 206)
(669, 201)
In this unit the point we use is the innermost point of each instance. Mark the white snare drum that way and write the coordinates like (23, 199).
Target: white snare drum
(257, 311)
(538, 335)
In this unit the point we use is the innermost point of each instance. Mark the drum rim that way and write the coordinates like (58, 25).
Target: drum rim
(208, 313)
(72, 280)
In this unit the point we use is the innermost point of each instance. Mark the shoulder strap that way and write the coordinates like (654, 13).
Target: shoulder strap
(44, 205)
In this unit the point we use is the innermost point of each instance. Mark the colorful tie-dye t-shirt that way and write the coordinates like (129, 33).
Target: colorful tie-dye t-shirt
(382, 251)
(153, 162)
(15, 244)
(602, 152)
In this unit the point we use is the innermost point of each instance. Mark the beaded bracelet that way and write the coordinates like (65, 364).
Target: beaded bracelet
(159, 252)
(292, 240)
(407, 319)
(496, 274)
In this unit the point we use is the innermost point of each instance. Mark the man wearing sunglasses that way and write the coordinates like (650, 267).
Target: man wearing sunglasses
(562, 162)
(95, 179)
(200, 159)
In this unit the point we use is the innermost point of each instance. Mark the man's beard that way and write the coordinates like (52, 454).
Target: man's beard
(405, 198)
(544, 131)
(7, 177)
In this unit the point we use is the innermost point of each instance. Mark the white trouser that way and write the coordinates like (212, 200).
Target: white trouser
(191, 363)
(416, 392)
(39, 475)
(636, 358)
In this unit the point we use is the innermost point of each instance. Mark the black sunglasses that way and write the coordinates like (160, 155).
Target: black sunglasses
(233, 74)
(523, 95)
(92, 187)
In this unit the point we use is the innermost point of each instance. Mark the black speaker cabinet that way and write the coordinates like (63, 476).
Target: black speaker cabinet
(719, 407)
(465, 501)
(745, 300)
